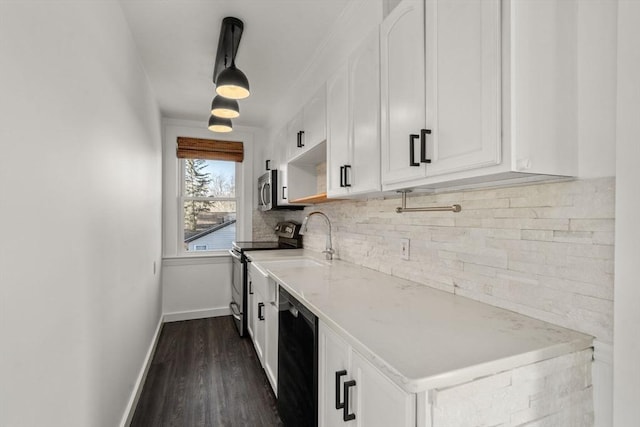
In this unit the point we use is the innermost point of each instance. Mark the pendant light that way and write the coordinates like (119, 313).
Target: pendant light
(231, 82)
(225, 107)
(218, 124)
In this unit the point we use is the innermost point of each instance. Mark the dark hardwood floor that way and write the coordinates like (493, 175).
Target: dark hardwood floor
(204, 374)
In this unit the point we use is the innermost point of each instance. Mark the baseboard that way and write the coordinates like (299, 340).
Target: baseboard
(603, 384)
(196, 314)
(142, 376)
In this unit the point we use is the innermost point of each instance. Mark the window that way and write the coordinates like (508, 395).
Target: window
(208, 204)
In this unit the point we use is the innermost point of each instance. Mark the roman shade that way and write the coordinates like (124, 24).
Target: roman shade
(209, 149)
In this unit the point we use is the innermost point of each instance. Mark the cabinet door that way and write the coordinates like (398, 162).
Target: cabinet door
(315, 119)
(375, 400)
(333, 358)
(462, 84)
(363, 171)
(337, 132)
(271, 335)
(259, 333)
(295, 142)
(282, 155)
(251, 313)
(402, 91)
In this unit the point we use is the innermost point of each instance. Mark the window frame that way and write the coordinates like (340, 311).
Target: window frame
(182, 198)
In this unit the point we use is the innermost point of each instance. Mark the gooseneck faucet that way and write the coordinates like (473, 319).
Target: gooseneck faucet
(328, 250)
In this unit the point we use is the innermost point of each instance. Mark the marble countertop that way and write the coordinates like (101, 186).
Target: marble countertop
(420, 337)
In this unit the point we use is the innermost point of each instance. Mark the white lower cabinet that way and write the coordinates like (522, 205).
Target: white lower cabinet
(271, 335)
(251, 296)
(352, 392)
(256, 306)
(263, 321)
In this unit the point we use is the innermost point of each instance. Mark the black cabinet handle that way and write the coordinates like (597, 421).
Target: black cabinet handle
(267, 165)
(346, 416)
(423, 145)
(283, 196)
(339, 374)
(412, 149)
(250, 287)
(301, 139)
(260, 311)
(347, 168)
(298, 139)
(341, 176)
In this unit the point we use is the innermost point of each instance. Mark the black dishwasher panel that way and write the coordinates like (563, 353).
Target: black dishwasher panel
(297, 363)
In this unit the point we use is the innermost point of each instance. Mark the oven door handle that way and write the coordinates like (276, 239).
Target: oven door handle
(235, 255)
(235, 313)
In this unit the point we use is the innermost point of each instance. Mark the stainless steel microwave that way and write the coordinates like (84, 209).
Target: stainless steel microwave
(268, 193)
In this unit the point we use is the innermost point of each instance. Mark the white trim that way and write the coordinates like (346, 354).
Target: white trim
(196, 314)
(172, 128)
(142, 376)
(602, 374)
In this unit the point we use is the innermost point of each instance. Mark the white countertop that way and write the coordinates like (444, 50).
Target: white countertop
(420, 337)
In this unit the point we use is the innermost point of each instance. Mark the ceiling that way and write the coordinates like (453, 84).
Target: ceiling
(177, 40)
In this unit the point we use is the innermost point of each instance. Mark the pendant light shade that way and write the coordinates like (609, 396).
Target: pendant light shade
(225, 107)
(232, 83)
(217, 124)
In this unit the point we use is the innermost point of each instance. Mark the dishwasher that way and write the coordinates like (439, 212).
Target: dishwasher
(297, 363)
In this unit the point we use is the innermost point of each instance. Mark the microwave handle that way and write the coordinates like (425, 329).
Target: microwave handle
(263, 194)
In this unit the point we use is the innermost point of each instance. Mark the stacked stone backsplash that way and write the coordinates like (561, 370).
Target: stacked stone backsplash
(543, 250)
(264, 224)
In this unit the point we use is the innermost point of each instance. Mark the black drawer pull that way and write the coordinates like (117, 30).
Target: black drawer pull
(301, 138)
(341, 176)
(260, 311)
(339, 374)
(250, 287)
(423, 145)
(267, 165)
(412, 148)
(283, 196)
(346, 416)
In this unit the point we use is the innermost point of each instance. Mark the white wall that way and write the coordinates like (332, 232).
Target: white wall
(627, 286)
(80, 214)
(196, 287)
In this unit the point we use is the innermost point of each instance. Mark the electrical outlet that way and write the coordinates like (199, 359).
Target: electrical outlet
(404, 247)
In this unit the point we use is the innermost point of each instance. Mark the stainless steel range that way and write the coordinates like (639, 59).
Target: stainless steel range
(289, 237)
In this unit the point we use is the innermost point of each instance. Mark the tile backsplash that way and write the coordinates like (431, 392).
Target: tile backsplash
(543, 250)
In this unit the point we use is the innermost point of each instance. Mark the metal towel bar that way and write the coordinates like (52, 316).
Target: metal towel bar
(404, 208)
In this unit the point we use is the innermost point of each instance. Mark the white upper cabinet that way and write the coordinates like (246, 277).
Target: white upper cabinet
(472, 92)
(294, 137)
(462, 84)
(337, 131)
(308, 128)
(362, 174)
(353, 123)
(402, 56)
